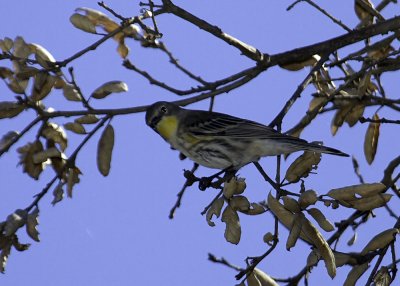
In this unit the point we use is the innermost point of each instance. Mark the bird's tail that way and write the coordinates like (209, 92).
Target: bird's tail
(319, 148)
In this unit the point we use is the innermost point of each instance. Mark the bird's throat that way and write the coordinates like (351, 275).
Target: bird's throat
(167, 127)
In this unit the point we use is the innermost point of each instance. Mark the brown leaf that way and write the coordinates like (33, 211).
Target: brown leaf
(296, 66)
(123, 49)
(263, 278)
(302, 166)
(215, 209)
(9, 109)
(14, 222)
(43, 156)
(75, 127)
(55, 133)
(42, 86)
(43, 56)
(321, 219)
(355, 274)
(71, 93)
(291, 204)
(6, 73)
(26, 159)
(232, 229)
(31, 224)
(371, 140)
(352, 240)
(235, 186)
(104, 150)
(255, 209)
(239, 203)
(72, 179)
(295, 230)
(108, 88)
(5, 252)
(87, 119)
(7, 139)
(307, 198)
(6, 44)
(380, 240)
(354, 114)
(83, 23)
(58, 193)
(370, 203)
(382, 277)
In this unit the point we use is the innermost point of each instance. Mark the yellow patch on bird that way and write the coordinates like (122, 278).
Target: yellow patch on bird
(167, 126)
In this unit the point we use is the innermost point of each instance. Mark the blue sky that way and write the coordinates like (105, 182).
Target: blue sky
(115, 230)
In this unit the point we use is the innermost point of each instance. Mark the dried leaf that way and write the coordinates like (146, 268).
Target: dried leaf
(355, 274)
(263, 278)
(42, 86)
(87, 119)
(104, 150)
(252, 280)
(4, 256)
(58, 193)
(215, 209)
(6, 44)
(6, 73)
(235, 186)
(232, 229)
(21, 49)
(364, 190)
(26, 159)
(14, 222)
(313, 258)
(370, 203)
(43, 56)
(55, 133)
(344, 259)
(363, 14)
(31, 224)
(371, 140)
(239, 203)
(316, 102)
(99, 19)
(43, 156)
(72, 179)
(302, 166)
(291, 204)
(83, 23)
(308, 198)
(380, 240)
(382, 277)
(108, 88)
(123, 50)
(269, 238)
(312, 233)
(75, 127)
(354, 114)
(9, 109)
(255, 209)
(17, 86)
(321, 219)
(7, 139)
(17, 245)
(295, 230)
(71, 93)
(340, 117)
(353, 239)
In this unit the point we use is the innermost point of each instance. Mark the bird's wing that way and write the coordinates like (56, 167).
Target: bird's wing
(218, 124)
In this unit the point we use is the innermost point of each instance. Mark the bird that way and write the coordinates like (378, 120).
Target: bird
(221, 141)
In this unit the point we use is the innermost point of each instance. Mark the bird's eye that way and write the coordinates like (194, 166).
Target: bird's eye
(163, 109)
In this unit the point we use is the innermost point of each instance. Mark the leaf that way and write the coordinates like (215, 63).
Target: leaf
(380, 240)
(232, 229)
(71, 93)
(353, 239)
(382, 277)
(255, 209)
(370, 203)
(6, 73)
(72, 179)
(123, 50)
(312, 233)
(83, 23)
(340, 117)
(364, 190)
(321, 219)
(239, 203)
(302, 166)
(9, 109)
(75, 127)
(55, 133)
(215, 209)
(308, 198)
(362, 13)
(43, 156)
(14, 221)
(355, 274)
(4, 257)
(42, 86)
(17, 245)
(17, 86)
(235, 186)
(7, 139)
(31, 224)
(291, 204)
(99, 19)
(263, 278)
(21, 48)
(104, 150)
(295, 230)
(6, 44)
(87, 119)
(43, 56)
(108, 88)
(371, 140)
(355, 113)
(26, 159)
(344, 258)
(269, 238)
(58, 193)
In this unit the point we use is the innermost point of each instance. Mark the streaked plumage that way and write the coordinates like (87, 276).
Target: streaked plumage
(218, 140)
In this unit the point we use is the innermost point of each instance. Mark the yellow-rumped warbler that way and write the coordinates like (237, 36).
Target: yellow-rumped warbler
(221, 141)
